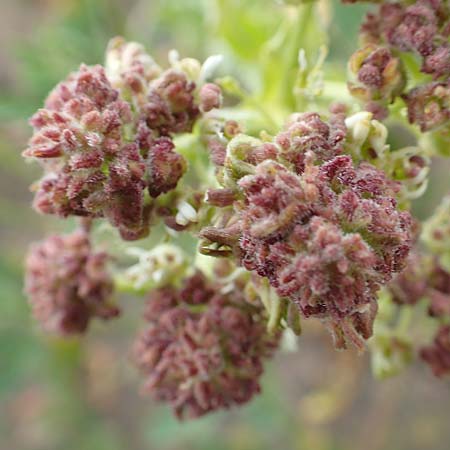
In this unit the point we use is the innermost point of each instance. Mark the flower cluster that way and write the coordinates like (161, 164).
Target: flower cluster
(366, 140)
(437, 355)
(67, 283)
(203, 348)
(424, 278)
(105, 137)
(379, 77)
(421, 28)
(310, 221)
(325, 232)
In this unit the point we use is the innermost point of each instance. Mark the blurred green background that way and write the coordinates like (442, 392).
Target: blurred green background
(84, 395)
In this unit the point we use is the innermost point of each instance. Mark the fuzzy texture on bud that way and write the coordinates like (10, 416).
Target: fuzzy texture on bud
(67, 283)
(325, 232)
(429, 106)
(165, 167)
(203, 349)
(105, 136)
(422, 27)
(91, 170)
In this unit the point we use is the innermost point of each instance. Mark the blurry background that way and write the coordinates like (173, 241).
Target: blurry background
(84, 395)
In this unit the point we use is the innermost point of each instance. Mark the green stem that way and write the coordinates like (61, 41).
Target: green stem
(299, 28)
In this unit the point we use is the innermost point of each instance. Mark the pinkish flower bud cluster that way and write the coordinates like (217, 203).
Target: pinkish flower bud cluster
(437, 355)
(410, 285)
(325, 232)
(425, 278)
(421, 28)
(68, 284)
(379, 78)
(202, 349)
(429, 105)
(105, 138)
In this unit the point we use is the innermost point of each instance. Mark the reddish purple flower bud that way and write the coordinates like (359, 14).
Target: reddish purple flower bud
(104, 137)
(325, 232)
(203, 349)
(96, 173)
(438, 62)
(210, 97)
(170, 106)
(307, 132)
(439, 291)
(410, 285)
(165, 167)
(429, 105)
(220, 197)
(293, 233)
(130, 67)
(437, 355)
(421, 27)
(417, 28)
(67, 283)
(378, 75)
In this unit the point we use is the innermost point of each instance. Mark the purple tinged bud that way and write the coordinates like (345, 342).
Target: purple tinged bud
(220, 197)
(324, 231)
(67, 283)
(429, 105)
(210, 97)
(378, 77)
(165, 167)
(202, 349)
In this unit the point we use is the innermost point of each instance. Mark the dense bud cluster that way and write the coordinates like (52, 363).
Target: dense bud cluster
(379, 77)
(426, 279)
(429, 105)
(421, 28)
(105, 137)
(68, 284)
(366, 140)
(311, 220)
(324, 231)
(203, 348)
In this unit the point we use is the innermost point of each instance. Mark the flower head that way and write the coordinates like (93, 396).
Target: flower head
(67, 283)
(324, 230)
(429, 105)
(203, 348)
(105, 136)
(379, 76)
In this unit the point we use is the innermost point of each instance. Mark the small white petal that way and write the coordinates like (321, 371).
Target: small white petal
(209, 67)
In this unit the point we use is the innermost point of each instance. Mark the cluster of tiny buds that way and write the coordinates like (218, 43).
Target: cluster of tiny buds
(204, 345)
(421, 28)
(325, 231)
(104, 138)
(68, 283)
(427, 278)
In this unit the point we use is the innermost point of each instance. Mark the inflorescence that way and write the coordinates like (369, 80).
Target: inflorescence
(311, 221)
